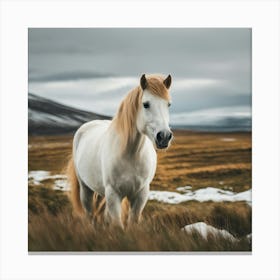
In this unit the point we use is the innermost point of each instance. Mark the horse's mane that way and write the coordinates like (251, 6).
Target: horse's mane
(125, 119)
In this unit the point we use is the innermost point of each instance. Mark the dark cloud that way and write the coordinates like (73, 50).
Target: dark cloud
(183, 52)
(218, 55)
(66, 76)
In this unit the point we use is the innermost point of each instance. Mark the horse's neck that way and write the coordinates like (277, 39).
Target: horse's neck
(135, 144)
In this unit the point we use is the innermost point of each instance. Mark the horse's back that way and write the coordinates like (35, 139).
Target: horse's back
(86, 149)
(90, 129)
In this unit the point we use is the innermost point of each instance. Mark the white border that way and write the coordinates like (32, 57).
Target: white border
(262, 16)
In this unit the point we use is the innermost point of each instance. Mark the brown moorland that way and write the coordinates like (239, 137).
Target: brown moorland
(196, 159)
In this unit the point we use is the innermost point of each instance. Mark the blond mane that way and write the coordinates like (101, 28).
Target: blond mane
(125, 119)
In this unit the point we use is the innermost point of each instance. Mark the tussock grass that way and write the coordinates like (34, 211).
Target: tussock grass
(44, 199)
(64, 232)
(53, 227)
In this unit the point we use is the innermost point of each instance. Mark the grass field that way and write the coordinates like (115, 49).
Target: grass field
(198, 160)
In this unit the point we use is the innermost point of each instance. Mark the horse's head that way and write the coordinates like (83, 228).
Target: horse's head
(153, 115)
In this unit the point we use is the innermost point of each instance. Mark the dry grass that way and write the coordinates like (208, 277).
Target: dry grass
(49, 153)
(205, 159)
(195, 159)
(65, 233)
(56, 229)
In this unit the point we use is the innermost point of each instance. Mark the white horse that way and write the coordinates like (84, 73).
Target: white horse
(117, 159)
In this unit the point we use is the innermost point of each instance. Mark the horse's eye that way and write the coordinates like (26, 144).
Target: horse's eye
(169, 104)
(146, 105)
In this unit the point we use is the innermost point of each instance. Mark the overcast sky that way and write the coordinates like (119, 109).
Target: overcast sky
(94, 68)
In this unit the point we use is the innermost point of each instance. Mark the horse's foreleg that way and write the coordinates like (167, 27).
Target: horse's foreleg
(113, 207)
(137, 204)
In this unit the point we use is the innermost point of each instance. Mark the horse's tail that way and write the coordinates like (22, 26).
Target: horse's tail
(74, 187)
(125, 211)
(98, 201)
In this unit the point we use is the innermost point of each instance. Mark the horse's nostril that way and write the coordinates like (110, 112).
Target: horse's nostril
(170, 135)
(160, 136)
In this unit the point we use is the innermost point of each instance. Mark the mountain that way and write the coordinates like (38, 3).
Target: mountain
(48, 117)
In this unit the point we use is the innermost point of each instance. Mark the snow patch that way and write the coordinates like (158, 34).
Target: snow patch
(38, 176)
(204, 230)
(202, 195)
(206, 194)
(61, 185)
(184, 189)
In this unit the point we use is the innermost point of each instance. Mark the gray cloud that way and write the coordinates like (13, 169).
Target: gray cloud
(221, 55)
(66, 76)
(182, 52)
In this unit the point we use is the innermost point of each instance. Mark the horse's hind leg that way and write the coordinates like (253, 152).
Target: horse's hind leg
(86, 195)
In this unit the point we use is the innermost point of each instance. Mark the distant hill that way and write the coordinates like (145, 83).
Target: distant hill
(220, 119)
(48, 117)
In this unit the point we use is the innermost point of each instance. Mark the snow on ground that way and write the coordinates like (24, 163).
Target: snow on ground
(61, 184)
(184, 194)
(204, 230)
(205, 194)
(37, 177)
(184, 189)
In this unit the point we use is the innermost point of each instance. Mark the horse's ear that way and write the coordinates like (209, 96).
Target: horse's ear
(167, 82)
(143, 82)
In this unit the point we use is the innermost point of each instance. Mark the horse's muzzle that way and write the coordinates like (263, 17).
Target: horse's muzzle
(163, 138)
